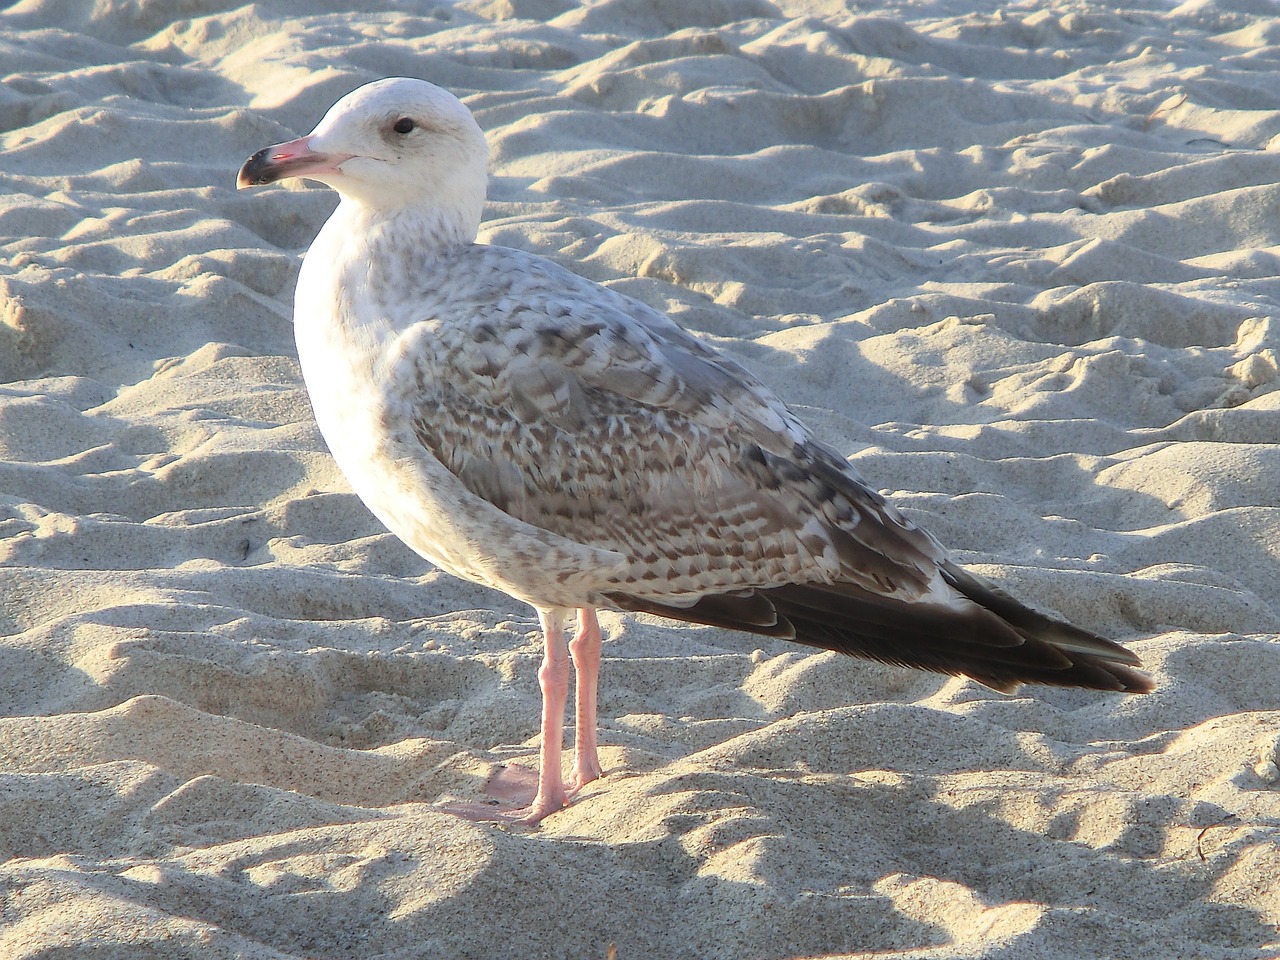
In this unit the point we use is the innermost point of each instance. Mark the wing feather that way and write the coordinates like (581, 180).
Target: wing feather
(588, 414)
(593, 419)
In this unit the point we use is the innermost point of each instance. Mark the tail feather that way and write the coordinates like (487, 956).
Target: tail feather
(1032, 622)
(988, 635)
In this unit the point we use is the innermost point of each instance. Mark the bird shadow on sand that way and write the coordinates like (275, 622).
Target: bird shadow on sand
(705, 865)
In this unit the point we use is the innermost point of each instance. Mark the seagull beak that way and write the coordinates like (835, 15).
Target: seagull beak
(284, 160)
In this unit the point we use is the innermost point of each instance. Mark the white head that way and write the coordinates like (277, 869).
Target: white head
(391, 145)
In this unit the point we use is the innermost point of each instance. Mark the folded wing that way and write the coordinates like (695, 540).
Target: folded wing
(589, 415)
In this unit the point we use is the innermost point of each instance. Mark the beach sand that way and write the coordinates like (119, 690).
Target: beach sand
(1020, 262)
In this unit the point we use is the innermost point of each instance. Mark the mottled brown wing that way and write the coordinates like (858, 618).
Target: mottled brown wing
(587, 414)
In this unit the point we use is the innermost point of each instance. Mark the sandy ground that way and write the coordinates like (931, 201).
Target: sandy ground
(1019, 262)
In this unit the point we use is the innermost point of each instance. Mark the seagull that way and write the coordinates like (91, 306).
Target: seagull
(527, 429)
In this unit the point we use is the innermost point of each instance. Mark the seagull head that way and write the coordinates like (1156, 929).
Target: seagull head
(390, 145)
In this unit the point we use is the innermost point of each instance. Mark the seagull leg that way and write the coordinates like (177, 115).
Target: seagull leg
(513, 783)
(585, 650)
(553, 678)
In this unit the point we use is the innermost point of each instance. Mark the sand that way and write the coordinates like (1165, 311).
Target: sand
(1020, 262)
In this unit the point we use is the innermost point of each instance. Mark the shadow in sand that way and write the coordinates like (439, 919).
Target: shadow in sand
(737, 865)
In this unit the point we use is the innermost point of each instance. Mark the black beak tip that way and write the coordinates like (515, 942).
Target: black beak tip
(257, 170)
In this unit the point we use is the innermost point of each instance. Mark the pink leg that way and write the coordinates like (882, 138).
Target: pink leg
(585, 649)
(553, 678)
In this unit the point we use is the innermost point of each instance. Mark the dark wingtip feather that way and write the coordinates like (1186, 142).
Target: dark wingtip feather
(1097, 662)
(993, 639)
(750, 612)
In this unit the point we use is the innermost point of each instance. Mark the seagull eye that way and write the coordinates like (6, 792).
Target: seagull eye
(403, 125)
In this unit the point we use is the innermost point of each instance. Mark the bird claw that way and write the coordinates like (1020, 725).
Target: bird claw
(514, 790)
(580, 778)
(516, 801)
(477, 811)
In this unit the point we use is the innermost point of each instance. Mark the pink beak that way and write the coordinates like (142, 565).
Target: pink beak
(284, 160)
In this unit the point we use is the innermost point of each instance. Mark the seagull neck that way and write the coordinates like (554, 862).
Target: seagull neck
(362, 269)
(372, 260)
(422, 232)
